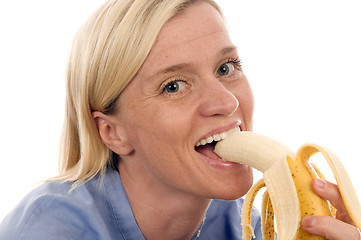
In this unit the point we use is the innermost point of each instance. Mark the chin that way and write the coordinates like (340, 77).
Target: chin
(235, 190)
(233, 195)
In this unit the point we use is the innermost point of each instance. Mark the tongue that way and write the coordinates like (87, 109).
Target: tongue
(207, 150)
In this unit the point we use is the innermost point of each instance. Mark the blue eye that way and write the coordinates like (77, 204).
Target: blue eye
(225, 69)
(174, 86)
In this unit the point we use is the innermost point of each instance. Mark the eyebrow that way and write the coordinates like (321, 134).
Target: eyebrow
(181, 66)
(229, 49)
(174, 68)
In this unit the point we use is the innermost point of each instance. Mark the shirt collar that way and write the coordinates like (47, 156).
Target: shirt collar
(121, 209)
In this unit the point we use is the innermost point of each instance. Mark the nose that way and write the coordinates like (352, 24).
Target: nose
(216, 99)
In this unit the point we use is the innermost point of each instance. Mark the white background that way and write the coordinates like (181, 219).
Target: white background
(303, 59)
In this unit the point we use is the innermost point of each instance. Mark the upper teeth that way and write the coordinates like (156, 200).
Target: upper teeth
(217, 137)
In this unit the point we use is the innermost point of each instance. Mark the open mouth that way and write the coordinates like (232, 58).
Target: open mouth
(206, 146)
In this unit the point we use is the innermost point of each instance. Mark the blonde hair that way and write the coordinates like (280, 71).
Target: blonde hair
(107, 52)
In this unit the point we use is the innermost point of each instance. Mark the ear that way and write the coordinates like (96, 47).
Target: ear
(111, 134)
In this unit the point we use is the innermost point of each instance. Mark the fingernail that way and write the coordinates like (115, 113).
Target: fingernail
(309, 222)
(321, 184)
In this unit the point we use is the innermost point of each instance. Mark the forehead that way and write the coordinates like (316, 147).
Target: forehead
(199, 29)
(198, 21)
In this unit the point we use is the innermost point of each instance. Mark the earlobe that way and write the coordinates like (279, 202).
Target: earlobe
(110, 133)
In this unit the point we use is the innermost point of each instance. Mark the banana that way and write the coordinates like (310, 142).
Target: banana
(268, 227)
(288, 178)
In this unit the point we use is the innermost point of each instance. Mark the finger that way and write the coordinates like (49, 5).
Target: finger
(330, 228)
(331, 192)
(328, 191)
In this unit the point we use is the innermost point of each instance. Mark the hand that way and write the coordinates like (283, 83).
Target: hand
(333, 229)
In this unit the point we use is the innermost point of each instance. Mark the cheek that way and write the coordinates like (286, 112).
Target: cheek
(246, 103)
(157, 125)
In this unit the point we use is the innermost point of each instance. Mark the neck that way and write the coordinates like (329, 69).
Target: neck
(173, 223)
(161, 213)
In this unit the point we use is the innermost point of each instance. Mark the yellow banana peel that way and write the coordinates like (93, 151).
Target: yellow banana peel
(288, 178)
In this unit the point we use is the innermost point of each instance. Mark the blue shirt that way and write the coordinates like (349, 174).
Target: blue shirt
(101, 210)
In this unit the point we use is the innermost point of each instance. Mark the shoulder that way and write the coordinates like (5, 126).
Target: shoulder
(51, 210)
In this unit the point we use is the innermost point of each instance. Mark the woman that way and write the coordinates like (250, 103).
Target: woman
(148, 83)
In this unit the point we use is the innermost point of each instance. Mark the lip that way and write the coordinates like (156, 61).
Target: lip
(221, 129)
(217, 162)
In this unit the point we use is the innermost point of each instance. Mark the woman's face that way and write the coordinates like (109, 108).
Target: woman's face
(190, 87)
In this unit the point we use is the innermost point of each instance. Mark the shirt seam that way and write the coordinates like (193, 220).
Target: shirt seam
(30, 215)
(113, 212)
